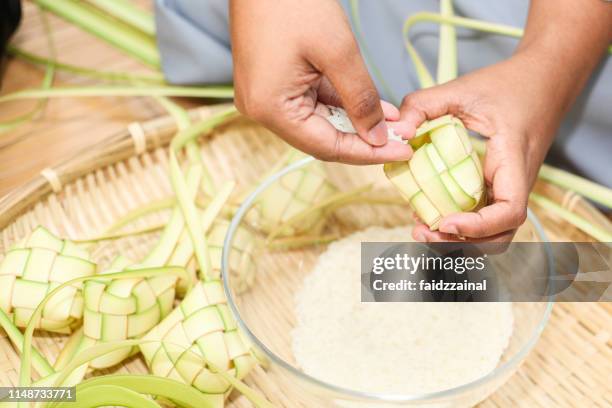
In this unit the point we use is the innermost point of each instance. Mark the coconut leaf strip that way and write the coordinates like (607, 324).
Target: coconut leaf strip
(114, 76)
(25, 378)
(108, 90)
(40, 364)
(577, 221)
(109, 395)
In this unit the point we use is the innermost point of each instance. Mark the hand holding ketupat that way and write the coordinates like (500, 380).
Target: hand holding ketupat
(291, 60)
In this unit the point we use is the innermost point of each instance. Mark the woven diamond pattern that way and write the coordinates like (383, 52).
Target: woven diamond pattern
(294, 193)
(36, 266)
(200, 330)
(444, 176)
(241, 262)
(124, 308)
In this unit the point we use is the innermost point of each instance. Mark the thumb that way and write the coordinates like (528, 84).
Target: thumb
(351, 80)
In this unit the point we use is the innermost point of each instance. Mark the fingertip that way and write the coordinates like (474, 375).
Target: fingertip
(398, 151)
(419, 232)
(448, 228)
(467, 224)
(390, 111)
(412, 116)
(439, 236)
(456, 221)
(377, 136)
(404, 129)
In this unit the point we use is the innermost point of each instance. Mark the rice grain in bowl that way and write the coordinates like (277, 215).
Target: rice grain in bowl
(390, 347)
(279, 327)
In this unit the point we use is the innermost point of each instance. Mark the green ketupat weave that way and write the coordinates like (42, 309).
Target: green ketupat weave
(124, 308)
(198, 332)
(34, 267)
(291, 195)
(444, 176)
(241, 262)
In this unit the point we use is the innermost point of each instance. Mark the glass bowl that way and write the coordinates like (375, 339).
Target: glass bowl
(265, 311)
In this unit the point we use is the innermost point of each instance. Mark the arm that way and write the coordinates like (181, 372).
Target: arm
(518, 105)
(567, 39)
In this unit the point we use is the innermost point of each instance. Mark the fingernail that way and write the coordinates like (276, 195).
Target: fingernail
(377, 136)
(421, 237)
(449, 229)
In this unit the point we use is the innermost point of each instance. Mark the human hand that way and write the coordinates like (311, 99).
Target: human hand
(293, 58)
(516, 106)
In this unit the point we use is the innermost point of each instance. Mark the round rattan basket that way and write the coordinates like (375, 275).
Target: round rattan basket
(83, 196)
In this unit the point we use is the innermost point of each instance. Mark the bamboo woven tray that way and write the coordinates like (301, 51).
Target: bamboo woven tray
(571, 365)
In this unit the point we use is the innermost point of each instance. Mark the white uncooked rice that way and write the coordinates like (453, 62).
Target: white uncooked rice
(340, 120)
(390, 347)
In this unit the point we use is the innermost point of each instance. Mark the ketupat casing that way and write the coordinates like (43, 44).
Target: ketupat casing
(293, 194)
(199, 331)
(37, 265)
(444, 175)
(124, 308)
(241, 262)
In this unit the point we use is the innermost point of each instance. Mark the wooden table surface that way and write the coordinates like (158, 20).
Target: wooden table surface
(65, 126)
